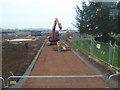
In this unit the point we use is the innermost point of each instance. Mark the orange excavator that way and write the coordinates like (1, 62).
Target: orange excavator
(55, 37)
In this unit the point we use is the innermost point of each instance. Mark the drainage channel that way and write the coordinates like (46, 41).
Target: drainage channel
(94, 69)
(29, 69)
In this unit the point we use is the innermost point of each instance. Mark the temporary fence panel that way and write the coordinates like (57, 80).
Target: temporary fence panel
(104, 52)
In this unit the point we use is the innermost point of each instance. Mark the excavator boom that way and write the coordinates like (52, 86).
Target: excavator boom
(54, 26)
(55, 37)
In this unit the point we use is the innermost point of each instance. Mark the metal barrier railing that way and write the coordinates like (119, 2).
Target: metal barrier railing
(113, 75)
(3, 82)
(81, 76)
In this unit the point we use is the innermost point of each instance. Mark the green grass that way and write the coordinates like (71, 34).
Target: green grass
(83, 46)
(101, 54)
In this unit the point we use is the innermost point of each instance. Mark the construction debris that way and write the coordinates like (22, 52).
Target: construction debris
(61, 48)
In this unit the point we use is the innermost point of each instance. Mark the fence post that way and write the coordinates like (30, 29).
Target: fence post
(81, 42)
(114, 50)
(110, 53)
(91, 46)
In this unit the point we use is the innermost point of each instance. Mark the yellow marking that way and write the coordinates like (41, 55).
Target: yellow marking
(98, 46)
(13, 82)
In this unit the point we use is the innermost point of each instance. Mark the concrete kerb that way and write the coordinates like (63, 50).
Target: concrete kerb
(29, 69)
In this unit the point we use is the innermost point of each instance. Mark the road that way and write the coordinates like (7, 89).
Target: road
(53, 63)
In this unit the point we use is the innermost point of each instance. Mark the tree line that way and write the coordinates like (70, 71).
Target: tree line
(98, 18)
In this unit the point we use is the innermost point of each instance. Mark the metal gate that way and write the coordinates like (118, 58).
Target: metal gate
(3, 82)
(113, 75)
(80, 76)
(9, 81)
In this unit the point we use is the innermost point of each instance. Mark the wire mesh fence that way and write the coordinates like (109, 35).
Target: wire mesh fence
(104, 52)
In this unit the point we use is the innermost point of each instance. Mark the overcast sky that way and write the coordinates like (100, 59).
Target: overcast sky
(37, 13)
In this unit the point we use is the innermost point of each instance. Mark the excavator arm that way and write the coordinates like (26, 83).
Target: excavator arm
(54, 26)
(55, 35)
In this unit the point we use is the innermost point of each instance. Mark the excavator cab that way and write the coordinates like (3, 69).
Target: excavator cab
(57, 38)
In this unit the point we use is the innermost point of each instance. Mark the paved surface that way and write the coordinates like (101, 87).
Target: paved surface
(53, 63)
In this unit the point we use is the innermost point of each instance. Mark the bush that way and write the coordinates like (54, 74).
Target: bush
(106, 39)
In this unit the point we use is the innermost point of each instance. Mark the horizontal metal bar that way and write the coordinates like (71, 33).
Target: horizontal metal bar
(117, 74)
(1, 78)
(81, 76)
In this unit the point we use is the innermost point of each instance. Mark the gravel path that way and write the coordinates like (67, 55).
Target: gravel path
(53, 63)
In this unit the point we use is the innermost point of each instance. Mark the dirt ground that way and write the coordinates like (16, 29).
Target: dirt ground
(17, 57)
(55, 63)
